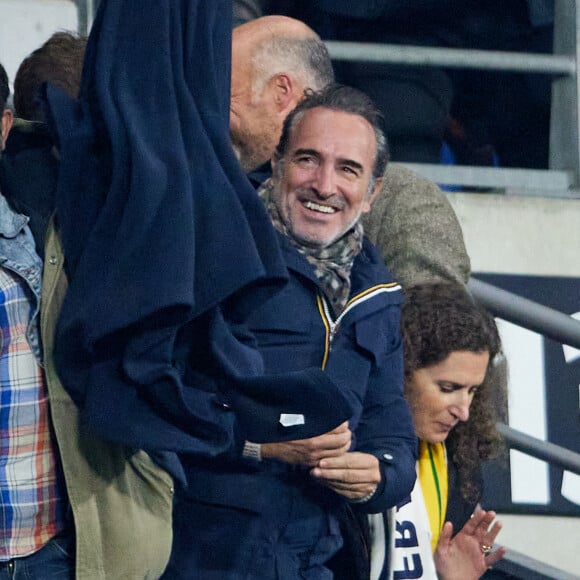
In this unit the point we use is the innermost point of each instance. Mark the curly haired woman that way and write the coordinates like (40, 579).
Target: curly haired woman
(450, 345)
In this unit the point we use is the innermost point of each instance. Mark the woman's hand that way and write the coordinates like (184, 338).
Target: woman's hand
(468, 555)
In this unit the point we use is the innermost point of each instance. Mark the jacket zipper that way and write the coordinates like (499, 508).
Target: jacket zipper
(331, 325)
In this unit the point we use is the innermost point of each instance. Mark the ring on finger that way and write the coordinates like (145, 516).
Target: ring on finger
(485, 549)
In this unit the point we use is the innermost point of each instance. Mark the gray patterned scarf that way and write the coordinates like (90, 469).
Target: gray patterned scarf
(332, 264)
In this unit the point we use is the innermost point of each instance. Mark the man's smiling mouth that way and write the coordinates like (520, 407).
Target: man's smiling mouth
(319, 208)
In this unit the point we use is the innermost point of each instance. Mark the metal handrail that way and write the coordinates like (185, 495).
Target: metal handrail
(548, 322)
(86, 13)
(502, 177)
(526, 313)
(517, 565)
(562, 65)
(544, 450)
(452, 57)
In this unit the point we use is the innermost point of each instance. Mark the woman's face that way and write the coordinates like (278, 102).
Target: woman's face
(440, 395)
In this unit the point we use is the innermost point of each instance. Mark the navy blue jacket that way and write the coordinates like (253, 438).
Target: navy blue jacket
(362, 356)
(361, 352)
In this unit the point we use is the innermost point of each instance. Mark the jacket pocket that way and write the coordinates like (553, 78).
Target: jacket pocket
(153, 482)
(380, 335)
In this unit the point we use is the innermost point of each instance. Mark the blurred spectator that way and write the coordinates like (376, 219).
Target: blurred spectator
(415, 101)
(495, 116)
(245, 10)
(6, 113)
(59, 61)
(508, 112)
(74, 506)
(29, 161)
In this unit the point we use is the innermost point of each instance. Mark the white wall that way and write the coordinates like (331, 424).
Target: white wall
(26, 24)
(552, 540)
(520, 235)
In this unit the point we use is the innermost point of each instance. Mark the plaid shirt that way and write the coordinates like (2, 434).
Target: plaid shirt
(32, 506)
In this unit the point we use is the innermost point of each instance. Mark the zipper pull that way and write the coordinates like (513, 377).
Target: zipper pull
(333, 331)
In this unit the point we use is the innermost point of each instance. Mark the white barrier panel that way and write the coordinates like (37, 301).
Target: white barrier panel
(26, 24)
(527, 410)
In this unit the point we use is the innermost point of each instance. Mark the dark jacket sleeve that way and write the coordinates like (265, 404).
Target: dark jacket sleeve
(386, 431)
(373, 369)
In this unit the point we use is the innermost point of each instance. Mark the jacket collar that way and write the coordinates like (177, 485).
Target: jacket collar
(11, 223)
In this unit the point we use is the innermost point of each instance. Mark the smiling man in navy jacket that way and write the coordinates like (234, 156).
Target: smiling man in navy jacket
(280, 504)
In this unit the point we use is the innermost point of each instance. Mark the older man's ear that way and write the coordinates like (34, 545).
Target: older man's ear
(285, 92)
(7, 119)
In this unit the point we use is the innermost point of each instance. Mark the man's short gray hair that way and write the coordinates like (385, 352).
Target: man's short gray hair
(304, 58)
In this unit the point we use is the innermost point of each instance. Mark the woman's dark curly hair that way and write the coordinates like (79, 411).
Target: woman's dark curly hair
(437, 320)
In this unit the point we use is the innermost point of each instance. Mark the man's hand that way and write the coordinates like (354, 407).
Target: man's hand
(354, 475)
(463, 557)
(310, 451)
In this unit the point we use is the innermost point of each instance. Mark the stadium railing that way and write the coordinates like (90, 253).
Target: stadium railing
(562, 179)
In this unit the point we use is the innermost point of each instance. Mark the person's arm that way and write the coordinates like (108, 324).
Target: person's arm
(385, 444)
(382, 473)
(467, 555)
(309, 452)
(354, 475)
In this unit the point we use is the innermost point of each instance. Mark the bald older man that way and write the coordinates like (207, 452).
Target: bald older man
(274, 59)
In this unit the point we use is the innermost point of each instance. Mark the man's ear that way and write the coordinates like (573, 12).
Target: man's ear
(7, 120)
(274, 163)
(283, 89)
(375, 192)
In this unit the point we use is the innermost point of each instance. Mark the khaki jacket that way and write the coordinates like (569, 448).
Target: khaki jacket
(120, 499)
